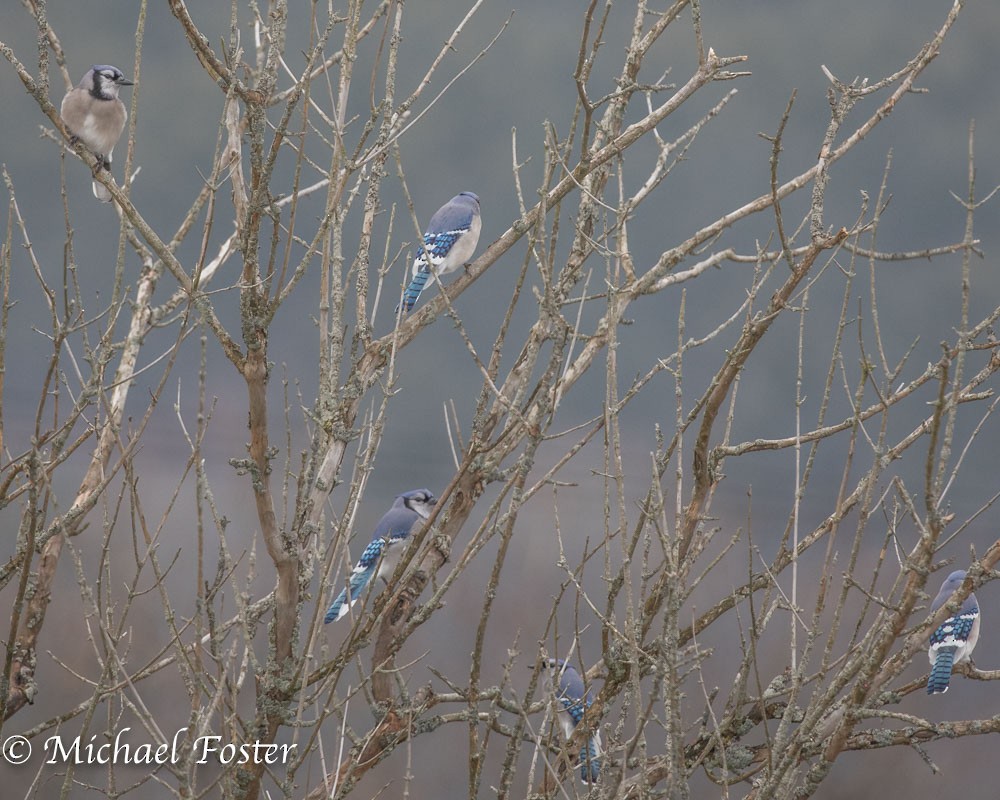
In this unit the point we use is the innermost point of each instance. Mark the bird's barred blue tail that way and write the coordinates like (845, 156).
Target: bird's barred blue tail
(590, 762)
(940, 676)
(414, 289)
(339, 607)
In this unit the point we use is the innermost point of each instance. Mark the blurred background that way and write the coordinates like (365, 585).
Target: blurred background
(523, 82)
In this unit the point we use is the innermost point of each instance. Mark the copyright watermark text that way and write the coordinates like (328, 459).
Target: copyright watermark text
(98, 749)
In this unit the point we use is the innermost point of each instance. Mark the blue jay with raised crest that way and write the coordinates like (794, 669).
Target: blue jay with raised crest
(574, 700)
(386, 547)
(95, 115)
(449, 242)
(955, 638)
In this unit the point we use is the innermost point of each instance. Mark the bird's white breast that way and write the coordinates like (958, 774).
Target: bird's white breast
(91, 134)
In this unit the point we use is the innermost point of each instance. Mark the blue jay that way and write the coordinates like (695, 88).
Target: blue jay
(955, 638)
(386, 547)
(567, 685)
(95, 115)
(450, 241)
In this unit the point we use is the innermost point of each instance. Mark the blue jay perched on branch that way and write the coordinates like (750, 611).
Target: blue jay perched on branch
(955, 638)
(386, 547)
(96, 116)
(574, 699)
(450, 241)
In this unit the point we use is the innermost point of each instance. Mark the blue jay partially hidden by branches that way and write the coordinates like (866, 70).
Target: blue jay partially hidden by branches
(449, 242)
(574, 700)
(95, 115)
(386, 547)
(955, 638)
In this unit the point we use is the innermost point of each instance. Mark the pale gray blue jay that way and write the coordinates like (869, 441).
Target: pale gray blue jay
(955, 638)
(96, 116)
(449, 242)
(574, 700)
(385, 549)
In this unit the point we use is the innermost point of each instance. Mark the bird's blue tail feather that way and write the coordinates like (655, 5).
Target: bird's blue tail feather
(941, 671)
(590, 763)
(414, 289)
(340, 605)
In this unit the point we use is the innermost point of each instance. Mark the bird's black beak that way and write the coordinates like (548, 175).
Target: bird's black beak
(123, 81)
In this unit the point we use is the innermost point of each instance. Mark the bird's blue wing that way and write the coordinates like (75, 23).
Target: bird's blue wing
(573, 708)
(955, 630)
(950, 635)
(360, 577)
(438, 245)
